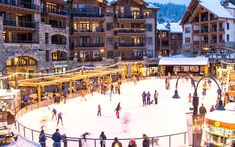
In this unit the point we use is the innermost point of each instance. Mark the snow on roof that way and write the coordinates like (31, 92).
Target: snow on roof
(216, 8)
(174, 27)
(151, 6)
(230, 5)
(183, 61)
(224, 116)
(162, 26)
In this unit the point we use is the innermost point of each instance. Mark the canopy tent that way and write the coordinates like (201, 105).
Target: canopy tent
(183, 61)
(41, 82)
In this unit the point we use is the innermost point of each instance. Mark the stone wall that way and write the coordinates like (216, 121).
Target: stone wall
(45, 28)
(2, 64)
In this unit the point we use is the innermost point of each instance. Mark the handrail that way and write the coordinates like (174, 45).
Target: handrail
(20, 111)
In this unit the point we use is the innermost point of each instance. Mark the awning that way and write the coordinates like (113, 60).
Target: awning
(183, 61)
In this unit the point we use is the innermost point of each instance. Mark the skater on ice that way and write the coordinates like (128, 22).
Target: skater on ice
(59, 119)
(54, 113)
(118, 108)
(99, 110)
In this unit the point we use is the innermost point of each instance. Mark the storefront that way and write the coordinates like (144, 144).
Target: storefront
(219, 128)
(177, 66)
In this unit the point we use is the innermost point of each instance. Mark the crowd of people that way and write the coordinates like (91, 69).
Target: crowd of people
(58, 139)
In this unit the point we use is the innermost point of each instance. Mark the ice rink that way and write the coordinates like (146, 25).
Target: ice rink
(167, 117)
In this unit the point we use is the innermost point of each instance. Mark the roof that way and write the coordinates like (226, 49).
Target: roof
(174, 27)
(183, 61)
(224, 116)
(151, 6)
(216, 8)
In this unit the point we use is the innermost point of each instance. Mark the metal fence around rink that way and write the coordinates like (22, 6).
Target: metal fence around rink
(171, 140)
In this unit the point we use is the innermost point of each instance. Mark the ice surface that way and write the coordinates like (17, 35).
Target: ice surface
(167, 117)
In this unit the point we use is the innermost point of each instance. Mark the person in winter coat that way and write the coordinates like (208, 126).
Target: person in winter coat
(42, 139)
(116, 143)
(132, 143)
(144, 98)
(56, 137)
(156, 96)
(148, 98)
(118, 108)
(102, 139)
(145, 142)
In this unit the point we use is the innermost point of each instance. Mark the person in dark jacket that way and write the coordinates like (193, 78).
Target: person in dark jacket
(56, 137)
(144, 98)
(145, 141)
(42, 139)
(102, 139)
(116, 143)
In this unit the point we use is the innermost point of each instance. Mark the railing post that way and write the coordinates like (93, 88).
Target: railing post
(24, 131)
(32, 135)
(169, 140)
(152, 141)
(185, 138)
(95, 142)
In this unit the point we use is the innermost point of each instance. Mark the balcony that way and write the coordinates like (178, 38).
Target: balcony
(196, 42)
(58, 42)
(204, 30)
(90, 59)
(204, 42)
(89, 45)
(55, 11)
(213, 41)
(19, 4)
(221, 29)
(133, 58)
(22, 41)
(130, 44)
(25, 24)
(196, 31)
(97, 31)
(87, 14)
(130, 16)
(130, 30)
(203, 19)
(214, 29)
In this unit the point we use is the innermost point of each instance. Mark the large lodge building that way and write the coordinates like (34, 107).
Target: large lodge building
(48, 35)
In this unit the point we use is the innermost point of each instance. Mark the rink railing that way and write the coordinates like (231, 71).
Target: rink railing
(31, 134)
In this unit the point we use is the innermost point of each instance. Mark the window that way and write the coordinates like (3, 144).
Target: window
(187, 39)
(149, 40)
(47, 55)
(110, 54)
(122, 26)
(187, 29)
(46, 38)
(227, 37)
(148, 27)
(109, 41)
(109, 26)
(164, 34)
(227, 26)
(149, 53)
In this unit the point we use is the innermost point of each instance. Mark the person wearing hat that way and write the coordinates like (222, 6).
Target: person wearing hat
(132, 143)
(116, 143)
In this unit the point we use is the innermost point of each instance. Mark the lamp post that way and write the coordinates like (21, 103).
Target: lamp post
(197, 136)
